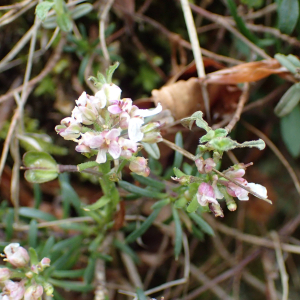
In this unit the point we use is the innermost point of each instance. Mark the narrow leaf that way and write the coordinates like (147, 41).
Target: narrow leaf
(42, 9)
(140, 294)
(71, 285)
(204, 226)
(32, 234)
(126, 249)
(33, 256)
(178, 233)
(178, 156)
(288, 14)
(100, 203)
(89, 271)
(193, 206)
(160, 204)
(9, 222)
(35, 213)
(149, 182)
(152, 150)
(68, 273)
(86, 165)
(81, 10)
(143, 228)
(140, 191)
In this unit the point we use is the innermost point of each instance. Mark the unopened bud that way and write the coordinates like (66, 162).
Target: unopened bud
(216, 210)
(183, 180)
(152, 137)
(33, 292)
(16, 255)
(48, 289)
(139, 166)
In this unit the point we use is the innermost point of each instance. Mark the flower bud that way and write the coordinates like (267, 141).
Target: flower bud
(139, 166)
(112, 91)
(48, 289)
(34, 292)
(16, 255)
(153, 126)
(216, 209)
(5, 274)
(45, 262)
(152, 137)
(183, 180)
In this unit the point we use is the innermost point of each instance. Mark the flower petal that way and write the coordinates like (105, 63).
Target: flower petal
(134, 129)
(148, 112)
(101, 156)
(258, 189)
(114, 149)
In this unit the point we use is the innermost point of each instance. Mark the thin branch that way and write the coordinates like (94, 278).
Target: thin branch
(102, 30)
(281, 264)
(243, 99)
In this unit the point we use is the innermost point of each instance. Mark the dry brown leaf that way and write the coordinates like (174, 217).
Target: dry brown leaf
(248, 72)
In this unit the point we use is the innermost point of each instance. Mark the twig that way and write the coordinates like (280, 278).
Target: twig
(282, 269)
(276, 152)
(48, 68)
(224, 22)
(243, 99)
(252, 239)
(197, 53)
(102, 30)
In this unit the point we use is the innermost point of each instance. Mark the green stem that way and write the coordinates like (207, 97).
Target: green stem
(109, 189)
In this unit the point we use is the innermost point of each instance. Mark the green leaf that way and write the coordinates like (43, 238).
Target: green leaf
(204, 226)
(71, 285)
(288, 101)
(68, 273)
(178, 173)
(178, 156)
(82, 67)
(294, 60)
(198, 117)
(287, 62)
(36, 214)
(160, 204)
(149, 181)
(34, 260)
(178, 233)
(240, 23)
(140, 294)
(141, 191)
(180, 203)
(42, 9)
(89, 270)
(68, 243)
(143, 228)
(9, 222)
(222, 144)
(64, 22)
(193, 206)
(110, 71)
(48, 247)
(126, 249)
(81, 10)
(288, 15)
(152, 150)
(87, 165)
(69, 194)
(290, 132)
(100, 203)
(37, 192)
(32, 234)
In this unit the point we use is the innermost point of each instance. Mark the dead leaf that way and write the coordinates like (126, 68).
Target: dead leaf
(248, 72)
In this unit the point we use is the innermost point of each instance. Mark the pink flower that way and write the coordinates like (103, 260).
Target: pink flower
(16, 255)
(139, 166)
(5, 274)
(14, 290)
(105, 142)
(45, 262)
(34, 292)
(206, 194)
(205, 166)
(128, 147)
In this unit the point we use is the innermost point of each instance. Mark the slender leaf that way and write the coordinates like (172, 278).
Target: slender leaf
(68, 273)
(193, 205)
(178, 156)
(67, 243)
(86, 165)
(290, 132)
(81, 10)
(178, 233)
(161, 203)
(143, 228)
(140, 191)
(152, 150)
(9, 222)
(288, 15)
(32, 234)
(71, 285)
(97, 205)
(89, 270)
(126, 249)
(149, 182)
(35, 213)
(48, 246)
(37, 195)
(42, 9)
(204, 226)
(33, 256)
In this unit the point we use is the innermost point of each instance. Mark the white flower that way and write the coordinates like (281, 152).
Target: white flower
(258, 189)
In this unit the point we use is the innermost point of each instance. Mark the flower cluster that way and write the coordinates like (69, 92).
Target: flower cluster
(118, 126)
(31, 286)
(215, 187)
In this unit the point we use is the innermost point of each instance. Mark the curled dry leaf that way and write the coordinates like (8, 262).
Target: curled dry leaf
(183, 98)
(248, 72)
